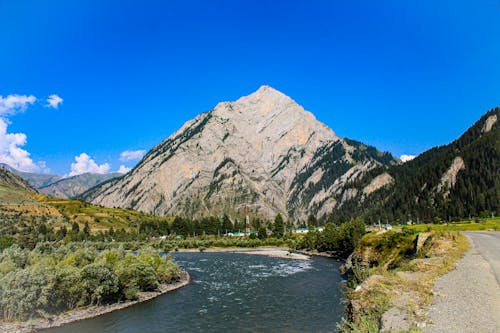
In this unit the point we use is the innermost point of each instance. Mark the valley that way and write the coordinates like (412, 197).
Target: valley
(249, 166)
(284, 182)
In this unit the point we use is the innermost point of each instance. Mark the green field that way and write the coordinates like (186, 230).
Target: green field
(467, 225)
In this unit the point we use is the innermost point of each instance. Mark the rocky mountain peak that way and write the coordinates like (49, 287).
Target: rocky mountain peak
(266, 94)
(263, 151)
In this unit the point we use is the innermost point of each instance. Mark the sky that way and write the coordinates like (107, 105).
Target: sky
(91, 85)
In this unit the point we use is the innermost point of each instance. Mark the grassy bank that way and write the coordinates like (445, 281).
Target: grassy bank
(392, 275)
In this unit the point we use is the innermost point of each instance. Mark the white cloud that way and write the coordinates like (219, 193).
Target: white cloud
(131, 155)
(13, 104)
(84, 163)
(54, 101)
(11, 152)
(406, 158)
(123, 169)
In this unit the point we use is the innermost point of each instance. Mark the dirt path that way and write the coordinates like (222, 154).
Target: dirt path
(468, 298)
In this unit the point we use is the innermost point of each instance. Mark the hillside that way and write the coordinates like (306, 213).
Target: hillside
(26, 215)
(460, 179)
(263, 151)
(8, 178)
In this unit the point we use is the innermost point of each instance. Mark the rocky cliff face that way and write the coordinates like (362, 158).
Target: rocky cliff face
(263, 151)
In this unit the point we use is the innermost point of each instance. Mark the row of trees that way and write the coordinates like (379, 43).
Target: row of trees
(29, 233)
(47, 280)
(340, 240)
(214, 225)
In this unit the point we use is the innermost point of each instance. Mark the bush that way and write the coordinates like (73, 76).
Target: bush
(49, 280)
(100, 284)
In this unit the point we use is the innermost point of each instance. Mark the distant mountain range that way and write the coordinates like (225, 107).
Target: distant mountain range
(74, 186)
(58, 186)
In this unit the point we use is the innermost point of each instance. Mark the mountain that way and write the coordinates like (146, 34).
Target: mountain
(73, 186)
(36, 180)
(58, 186)
(10, 179)
(457, 180)
(263, 151)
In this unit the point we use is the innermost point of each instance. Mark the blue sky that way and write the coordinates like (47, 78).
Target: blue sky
(401, 75)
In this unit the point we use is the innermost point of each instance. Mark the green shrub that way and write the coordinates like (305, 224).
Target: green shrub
(51, 279)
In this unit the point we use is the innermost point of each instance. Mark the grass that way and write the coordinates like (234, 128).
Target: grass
(466, 225)
(395, 275)
(13, 196)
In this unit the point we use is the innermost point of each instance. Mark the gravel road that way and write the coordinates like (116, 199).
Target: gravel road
(468, 297)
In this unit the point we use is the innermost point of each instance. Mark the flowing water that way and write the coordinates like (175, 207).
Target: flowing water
(235, 293)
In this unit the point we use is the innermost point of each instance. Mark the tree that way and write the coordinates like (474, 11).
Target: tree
(75, 228)
(227, 225)
(86, 229)
(262, 232)
(312, 221)
(100, 283)
(279, 226)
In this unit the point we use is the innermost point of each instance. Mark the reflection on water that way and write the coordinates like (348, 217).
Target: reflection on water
(236, 293)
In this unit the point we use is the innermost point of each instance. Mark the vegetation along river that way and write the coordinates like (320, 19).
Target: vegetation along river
(235, 293)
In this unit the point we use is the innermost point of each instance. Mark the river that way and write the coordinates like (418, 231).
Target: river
(235, 293)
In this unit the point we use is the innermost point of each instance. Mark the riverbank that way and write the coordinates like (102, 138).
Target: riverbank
(36, 325)
(268, 251)
(327, 254)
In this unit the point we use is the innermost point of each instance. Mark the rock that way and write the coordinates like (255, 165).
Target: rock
(377, 183)
(420, 241)
(449, 178)
(347, 266)
(488, 124)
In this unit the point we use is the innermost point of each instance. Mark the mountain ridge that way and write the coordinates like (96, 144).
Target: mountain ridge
(456, 180)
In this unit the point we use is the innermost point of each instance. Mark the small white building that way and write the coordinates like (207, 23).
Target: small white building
(301, 231)
(236, 234)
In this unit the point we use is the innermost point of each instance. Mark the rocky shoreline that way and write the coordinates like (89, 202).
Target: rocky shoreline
(327, 254)
(36, 325)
